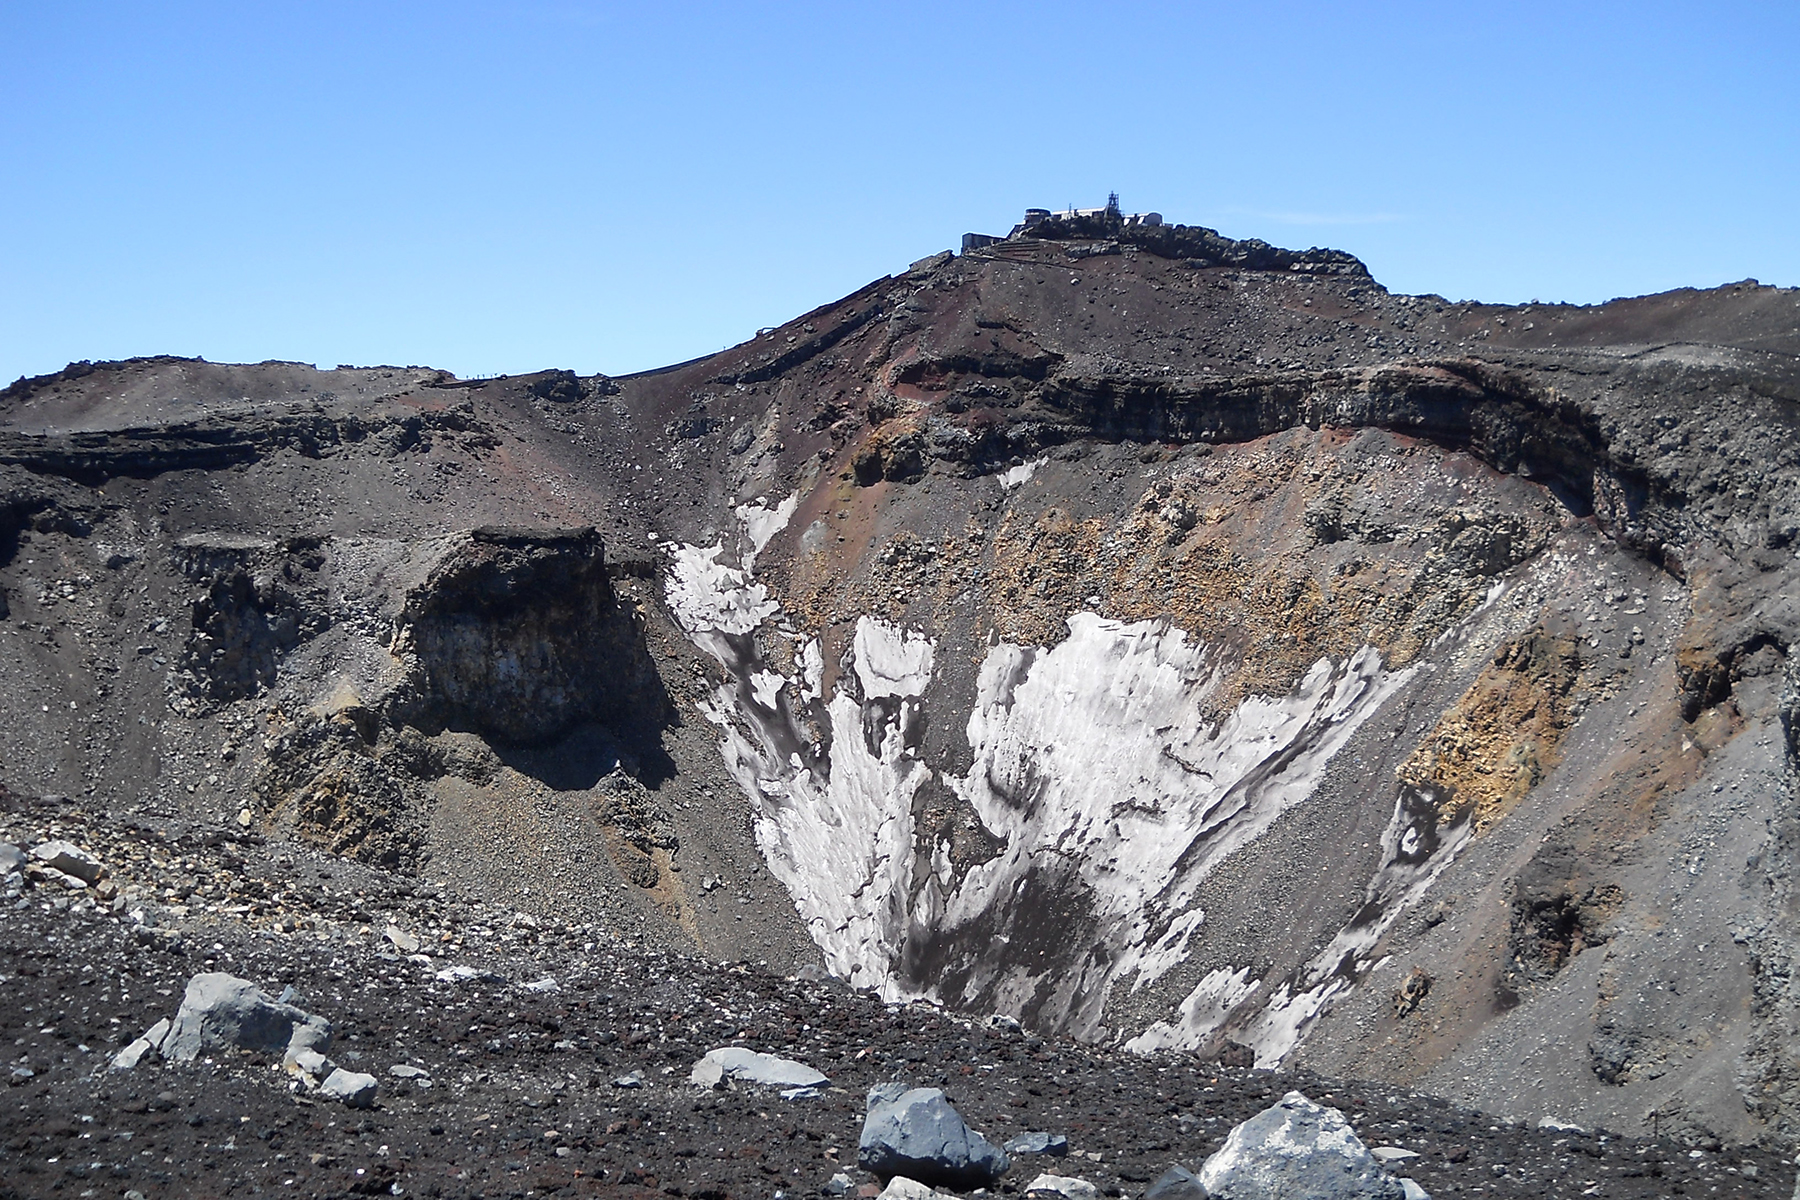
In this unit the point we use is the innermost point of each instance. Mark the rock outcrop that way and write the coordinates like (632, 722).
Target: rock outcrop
(517, 636)
(222, 1012)
(353, 1089)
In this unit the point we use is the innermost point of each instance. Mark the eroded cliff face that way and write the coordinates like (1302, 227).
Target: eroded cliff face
(517, 635)
(455, 650)
(1174, 642)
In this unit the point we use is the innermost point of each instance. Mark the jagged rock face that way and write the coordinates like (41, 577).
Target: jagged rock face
(1170, 641)
(513, 637)
(254, 603)
(387, 637)
(518, 636)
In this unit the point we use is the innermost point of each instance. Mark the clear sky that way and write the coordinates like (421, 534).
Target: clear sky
(503, 187)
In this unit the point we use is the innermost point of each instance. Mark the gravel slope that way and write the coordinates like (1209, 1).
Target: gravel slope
(524, 1094)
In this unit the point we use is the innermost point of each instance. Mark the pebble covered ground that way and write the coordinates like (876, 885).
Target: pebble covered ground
(560, 1067)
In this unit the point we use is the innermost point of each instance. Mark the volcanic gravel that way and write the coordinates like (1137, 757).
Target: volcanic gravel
(563, 1069)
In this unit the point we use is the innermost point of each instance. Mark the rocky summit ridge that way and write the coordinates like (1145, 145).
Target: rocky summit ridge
(1183, 648)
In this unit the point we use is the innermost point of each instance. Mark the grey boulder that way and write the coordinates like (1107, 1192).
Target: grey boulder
(916, 1133)
(151, 1039)
(223, 1012)
(1177, 1183)
(902, 1188)
(70, 859)
(1066, 1187)
(1038, 1142)
(353, 1088)
(309, 1063)
(314, 1033)
(750, 1066)
(11, 858)
(128, 1058)
(1297, 1150)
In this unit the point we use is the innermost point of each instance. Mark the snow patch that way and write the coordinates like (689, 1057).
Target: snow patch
(1416, 848)
(833, 814)
(709, 597)
(1205, 1009)
(761, 523)
(890, 661)
(765, 686)
(836, 828)
(1091, 768)
(1012, 477)
(811, 661)
(1093, 757)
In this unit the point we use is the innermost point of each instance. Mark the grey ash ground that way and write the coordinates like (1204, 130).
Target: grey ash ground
(522, 1094)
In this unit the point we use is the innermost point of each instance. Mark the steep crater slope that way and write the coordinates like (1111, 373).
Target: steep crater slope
(1255, 662)
(402, 637)
(1167, 641)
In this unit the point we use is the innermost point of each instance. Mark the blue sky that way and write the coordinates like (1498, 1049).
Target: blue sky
(501, 187)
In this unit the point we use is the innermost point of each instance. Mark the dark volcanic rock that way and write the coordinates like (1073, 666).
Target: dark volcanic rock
(1177, 1183)
(519, 636)
(916, 1132)
(256, 601)
(506, 1064)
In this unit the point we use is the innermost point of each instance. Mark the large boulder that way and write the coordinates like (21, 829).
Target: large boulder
(1061, 1187)
(223, 1012)
(1177, 1183)
(70, 859)
(1038, 1141)
(750, 1066)
(352, 1088)
(916, 1133)
(1297, 1150)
